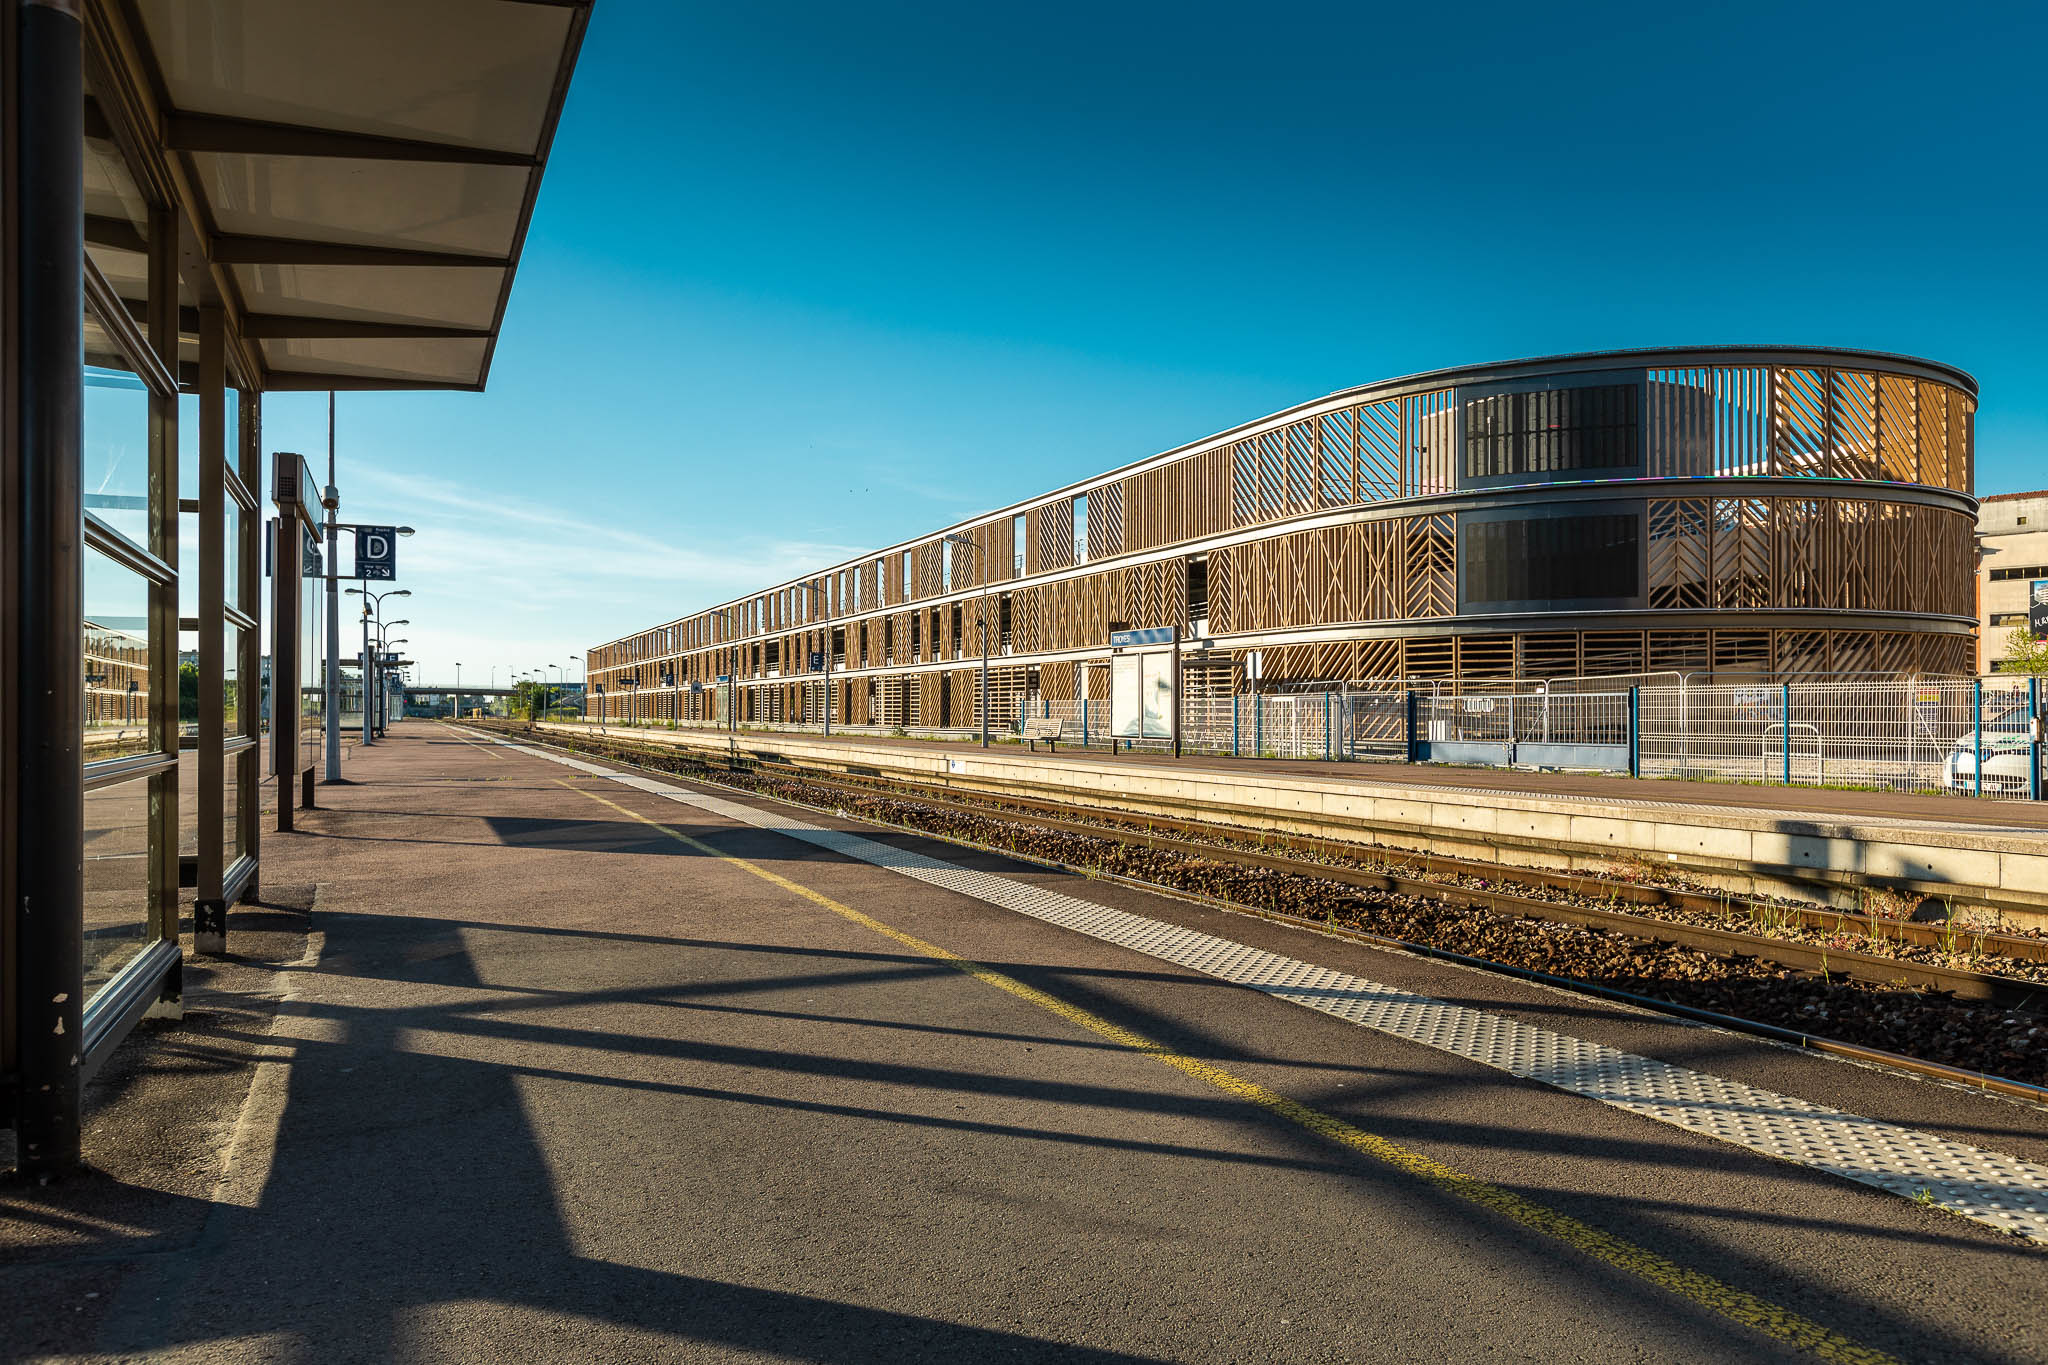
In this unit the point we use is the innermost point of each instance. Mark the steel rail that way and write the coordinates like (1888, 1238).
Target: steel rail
(1877, 969)
(1982, 942)
(2005, 991)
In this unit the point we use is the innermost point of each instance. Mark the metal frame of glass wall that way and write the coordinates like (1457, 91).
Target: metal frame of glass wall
(131, 584)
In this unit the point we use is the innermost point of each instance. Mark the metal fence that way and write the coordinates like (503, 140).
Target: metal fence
(1954, 736)
(1960, 737)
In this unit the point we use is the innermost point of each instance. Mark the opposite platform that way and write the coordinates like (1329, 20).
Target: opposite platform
(1990, 857)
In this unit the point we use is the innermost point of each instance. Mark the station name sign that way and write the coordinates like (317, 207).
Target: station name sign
(1148, 635)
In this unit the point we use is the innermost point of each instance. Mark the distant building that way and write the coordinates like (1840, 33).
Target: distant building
(2012, 553)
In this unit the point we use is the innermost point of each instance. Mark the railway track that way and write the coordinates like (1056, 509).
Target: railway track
(1294, 877)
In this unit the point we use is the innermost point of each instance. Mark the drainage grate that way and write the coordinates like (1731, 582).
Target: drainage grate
(2002, 1191)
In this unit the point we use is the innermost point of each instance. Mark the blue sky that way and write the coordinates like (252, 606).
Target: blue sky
(806, 279)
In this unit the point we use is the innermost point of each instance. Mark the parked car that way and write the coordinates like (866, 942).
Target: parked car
(2005, 748)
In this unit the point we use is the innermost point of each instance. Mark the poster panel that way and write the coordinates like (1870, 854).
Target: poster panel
(1127, 696)
(1158, 688)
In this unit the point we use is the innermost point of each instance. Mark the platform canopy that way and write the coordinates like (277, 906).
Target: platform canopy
(369, 169)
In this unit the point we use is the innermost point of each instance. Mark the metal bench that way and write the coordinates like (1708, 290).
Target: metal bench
(1047, 728)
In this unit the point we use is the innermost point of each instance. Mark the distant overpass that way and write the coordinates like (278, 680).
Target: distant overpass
(449, 689)
(438, 698)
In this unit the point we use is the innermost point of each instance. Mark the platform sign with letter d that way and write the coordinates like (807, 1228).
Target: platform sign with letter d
(377, 553)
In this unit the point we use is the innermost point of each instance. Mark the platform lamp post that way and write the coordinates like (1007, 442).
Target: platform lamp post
(600, 707)
(980, 621)
(382, 681)
(549, 701)
(373, 603)
(331, 500)
(578, 661)
(385, 646)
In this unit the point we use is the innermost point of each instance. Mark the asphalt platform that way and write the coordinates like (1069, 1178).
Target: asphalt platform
(512, 1062)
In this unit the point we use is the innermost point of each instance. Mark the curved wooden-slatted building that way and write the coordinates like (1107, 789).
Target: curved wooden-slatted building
(1735, 511)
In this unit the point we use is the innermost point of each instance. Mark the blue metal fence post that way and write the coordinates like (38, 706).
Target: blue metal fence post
(1326, 727)
(1084, 714)
(1233, 725)
(1258, 726)
(1977, 725)
(1411, 726)
(1785, 725)
(2033, 715)
(1635, 732)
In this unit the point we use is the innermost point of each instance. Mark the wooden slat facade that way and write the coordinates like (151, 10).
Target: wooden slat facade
(1344, 516)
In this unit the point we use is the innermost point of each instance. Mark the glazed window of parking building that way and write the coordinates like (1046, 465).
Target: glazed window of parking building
(1551, 431)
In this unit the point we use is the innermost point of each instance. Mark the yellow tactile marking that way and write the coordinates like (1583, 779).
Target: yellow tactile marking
(1702, 1289)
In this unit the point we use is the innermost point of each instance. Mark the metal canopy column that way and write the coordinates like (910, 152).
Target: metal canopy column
(46, 797)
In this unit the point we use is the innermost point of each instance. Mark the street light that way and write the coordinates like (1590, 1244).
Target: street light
(577, 660)
(981, 621)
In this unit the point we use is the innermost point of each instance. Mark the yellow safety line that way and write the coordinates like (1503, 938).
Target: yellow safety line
(1700, 1288)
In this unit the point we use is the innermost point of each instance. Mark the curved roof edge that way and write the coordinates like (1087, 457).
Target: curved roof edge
(1677, 357)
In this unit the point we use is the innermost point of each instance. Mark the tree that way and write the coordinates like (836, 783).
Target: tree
(2024, 653)
(526, 699)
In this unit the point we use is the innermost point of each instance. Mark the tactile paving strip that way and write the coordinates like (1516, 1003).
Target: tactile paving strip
(2002, 1191)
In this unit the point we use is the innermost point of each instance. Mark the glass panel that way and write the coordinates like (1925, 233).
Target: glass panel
(188, 459)
(116, 214)
(231, 808)
(231, 644)
(188, 565)
(116, 878)
(231, 553)
(313, 674)
(188, 435)
(116, 660)
(115, 468)
(188, 685)
(188, 804)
